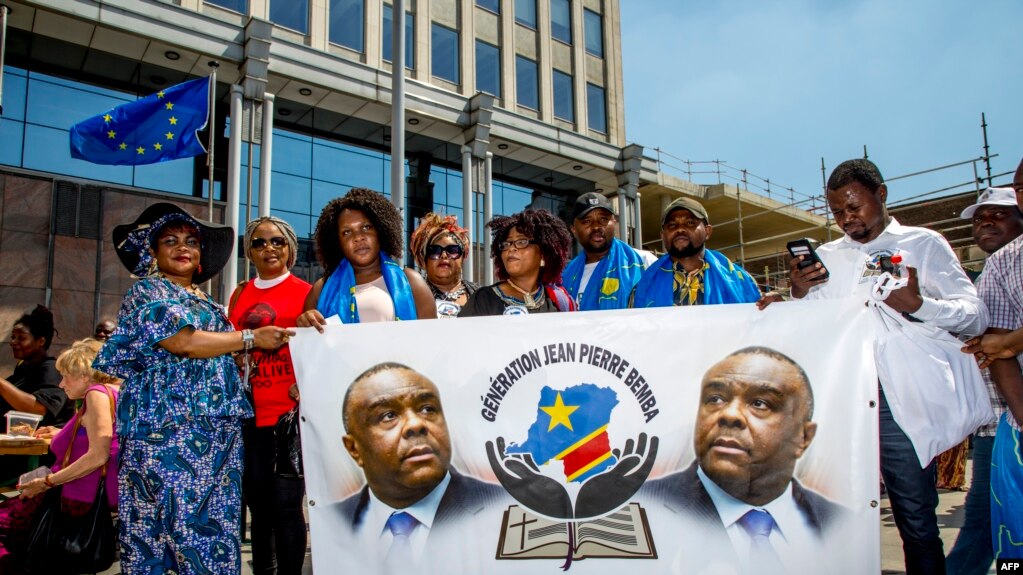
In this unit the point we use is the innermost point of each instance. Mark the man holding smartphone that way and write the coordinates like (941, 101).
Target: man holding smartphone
(937, 296)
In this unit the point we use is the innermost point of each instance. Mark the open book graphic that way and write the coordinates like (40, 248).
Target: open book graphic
(625, 534)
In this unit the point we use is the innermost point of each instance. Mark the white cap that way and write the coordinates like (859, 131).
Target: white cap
(991, 197)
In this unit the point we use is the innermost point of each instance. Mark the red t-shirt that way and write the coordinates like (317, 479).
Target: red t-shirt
(279, 305)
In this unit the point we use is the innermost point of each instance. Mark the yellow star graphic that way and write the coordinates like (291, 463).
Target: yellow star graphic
(111, 134)
(107, 117)
(159, 94)
(170, 135)
(140, 150)
(169, 105)
(123, 146)
(173, 121)
(559, 413)
(158, 146)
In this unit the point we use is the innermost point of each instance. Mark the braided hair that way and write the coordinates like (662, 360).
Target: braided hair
(286, 229)
(39, 323)
(434, 226)
(376, 207)
(547, 230)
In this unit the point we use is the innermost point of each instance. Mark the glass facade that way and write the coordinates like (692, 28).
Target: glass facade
(444, 53)
(292, 14)
(527, 92)
(564, 96)
(525, 12)
(593, 26)
(492, 5)
(596, 108)
(561, 20)
(308, 171)
(488, 68)
(387, 42)
(240, 6)
(347, 24)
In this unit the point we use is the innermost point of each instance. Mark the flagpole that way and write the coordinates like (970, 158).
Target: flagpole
(3, 44)
(398, 115)
(211, 122)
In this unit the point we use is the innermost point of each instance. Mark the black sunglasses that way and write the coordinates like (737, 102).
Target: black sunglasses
(276, 241)
(454, 251)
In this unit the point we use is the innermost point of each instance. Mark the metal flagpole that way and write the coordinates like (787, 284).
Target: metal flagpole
(211, 122)
(3, 44)
(398, 114)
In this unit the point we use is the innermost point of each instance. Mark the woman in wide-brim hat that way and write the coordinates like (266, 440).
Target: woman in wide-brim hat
(181, 407)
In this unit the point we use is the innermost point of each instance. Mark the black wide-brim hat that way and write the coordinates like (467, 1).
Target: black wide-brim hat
(132, 241)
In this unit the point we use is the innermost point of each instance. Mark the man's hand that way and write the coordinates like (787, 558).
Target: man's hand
(804, 279)
(769, 298)
(991, 346)
(906, 299)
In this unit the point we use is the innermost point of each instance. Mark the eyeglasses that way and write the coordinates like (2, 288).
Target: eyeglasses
(260, 243)
(519, 244)
(434, 252)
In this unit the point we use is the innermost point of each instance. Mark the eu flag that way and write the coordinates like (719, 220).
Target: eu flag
(157, 128)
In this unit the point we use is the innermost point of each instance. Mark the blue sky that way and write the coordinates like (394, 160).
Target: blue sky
(773, 86)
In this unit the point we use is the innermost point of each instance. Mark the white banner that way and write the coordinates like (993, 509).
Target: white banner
(573, 441)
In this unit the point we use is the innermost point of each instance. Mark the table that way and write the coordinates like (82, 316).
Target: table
(33, 448)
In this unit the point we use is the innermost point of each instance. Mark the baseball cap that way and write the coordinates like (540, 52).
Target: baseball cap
(686, 204)
(589, 202)
(991, 197)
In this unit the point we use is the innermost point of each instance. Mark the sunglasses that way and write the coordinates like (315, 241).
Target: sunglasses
(519, 244)
(454, 251)
(260, 243)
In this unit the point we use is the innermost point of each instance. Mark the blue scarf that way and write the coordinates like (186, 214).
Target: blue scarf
(723, 282)
(612, 280)
(338, 294)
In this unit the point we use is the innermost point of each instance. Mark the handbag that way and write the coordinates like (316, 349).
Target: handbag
(59, 543)
(288, 446)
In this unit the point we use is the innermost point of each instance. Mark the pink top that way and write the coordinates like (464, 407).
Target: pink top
(84, 488)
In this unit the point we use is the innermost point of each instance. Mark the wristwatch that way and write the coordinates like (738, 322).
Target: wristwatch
(248, 339)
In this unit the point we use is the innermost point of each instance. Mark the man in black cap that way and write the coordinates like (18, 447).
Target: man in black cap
(616, 264)
(691, 274)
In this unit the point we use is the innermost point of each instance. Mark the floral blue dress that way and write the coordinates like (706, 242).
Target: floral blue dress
(179, 422)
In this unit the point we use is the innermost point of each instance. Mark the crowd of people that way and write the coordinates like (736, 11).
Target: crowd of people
(200, 389)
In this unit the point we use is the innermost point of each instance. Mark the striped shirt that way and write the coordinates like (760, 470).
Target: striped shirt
(1001, 288)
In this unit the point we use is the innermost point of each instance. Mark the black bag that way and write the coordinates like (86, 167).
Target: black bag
(59, 544)
(288, 446)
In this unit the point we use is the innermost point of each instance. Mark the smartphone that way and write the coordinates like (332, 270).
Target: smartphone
(804, 247)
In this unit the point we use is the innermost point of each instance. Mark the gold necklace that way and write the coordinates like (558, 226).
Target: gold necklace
(527, 297)
(192, 289)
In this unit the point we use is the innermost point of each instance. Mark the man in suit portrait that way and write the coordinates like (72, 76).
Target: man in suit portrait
(395, 430)
(755, 420)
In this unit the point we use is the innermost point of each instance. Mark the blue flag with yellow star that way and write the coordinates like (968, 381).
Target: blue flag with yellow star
(156, 128)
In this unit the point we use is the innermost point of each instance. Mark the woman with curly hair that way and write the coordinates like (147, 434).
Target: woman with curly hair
(529, 250)
(438, 245)
(357, 238)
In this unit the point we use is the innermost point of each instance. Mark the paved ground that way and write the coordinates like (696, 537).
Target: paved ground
(950, 517)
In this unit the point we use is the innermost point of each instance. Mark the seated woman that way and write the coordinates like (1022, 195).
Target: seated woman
(93, 443)
(439, 245)
(33, 387)
(357, 238)
(529, 249)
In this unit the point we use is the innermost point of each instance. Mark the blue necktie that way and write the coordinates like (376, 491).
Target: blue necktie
(401, 526)
(758, 525)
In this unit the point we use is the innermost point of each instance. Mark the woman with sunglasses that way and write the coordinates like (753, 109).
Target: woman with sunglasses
(273, 297)
(439, 245)
(529, 249)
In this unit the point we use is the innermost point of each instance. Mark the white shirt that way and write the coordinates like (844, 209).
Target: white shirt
(374, 524)
(793, 538)
(585, 280)
(374, 301)
(261, 283)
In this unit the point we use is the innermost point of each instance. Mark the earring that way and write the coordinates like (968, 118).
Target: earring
(152, 269)
(199, 270)
(542, 263)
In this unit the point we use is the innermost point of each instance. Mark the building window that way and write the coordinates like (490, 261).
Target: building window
(410, 38)
(240, 6)
(346, 23)
(526, 91)
(561, 20)
(525, 13)
(292, 14)
(594, 27)
(492, 5)
(596, 108)
(564, 97)
(488, 68)
(444, 50)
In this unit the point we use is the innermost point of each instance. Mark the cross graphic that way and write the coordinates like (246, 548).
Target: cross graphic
(522, 523)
